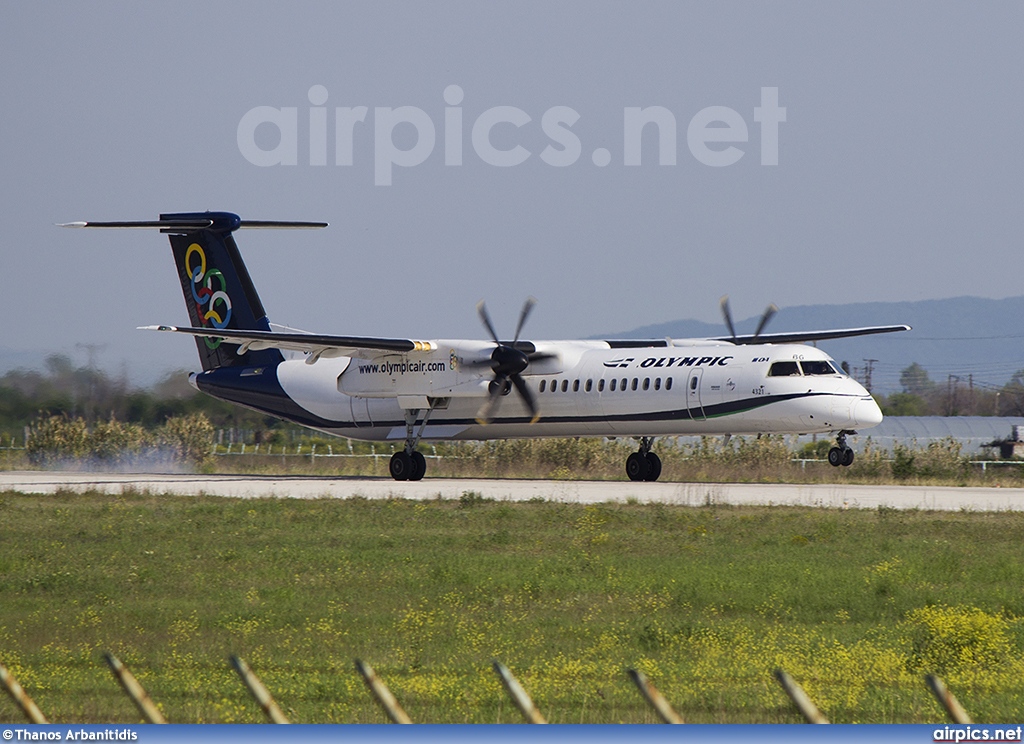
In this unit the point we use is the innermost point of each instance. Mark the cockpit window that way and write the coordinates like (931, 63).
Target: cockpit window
(784, 369)
(818, 368)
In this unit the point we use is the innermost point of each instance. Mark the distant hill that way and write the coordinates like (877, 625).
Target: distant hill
(962, 336)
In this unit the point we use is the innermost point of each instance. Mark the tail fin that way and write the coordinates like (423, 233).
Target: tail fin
(217, 288)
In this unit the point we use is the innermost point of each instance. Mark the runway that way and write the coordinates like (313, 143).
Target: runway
(582, 492)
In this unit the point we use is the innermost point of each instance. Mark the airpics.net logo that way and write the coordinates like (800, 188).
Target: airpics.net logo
(716, 136)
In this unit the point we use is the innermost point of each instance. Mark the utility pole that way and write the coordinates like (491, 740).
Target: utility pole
(951, 390)
(870, 366)
(91, 350)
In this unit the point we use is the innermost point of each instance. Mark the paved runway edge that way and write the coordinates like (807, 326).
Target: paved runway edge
(838, 496)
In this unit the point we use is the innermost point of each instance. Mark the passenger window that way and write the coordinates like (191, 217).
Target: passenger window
(613, 385)
(622, 385)
(575, 386)
(784, 369)
(600, 385)
(543, 385)
(657, 383)
(668, 384)
(634, 383)
(693, 383)
(565, 386)
(818, 368)
(647, 383)
(590, 385)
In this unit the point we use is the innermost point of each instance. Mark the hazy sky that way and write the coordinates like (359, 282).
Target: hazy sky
(899, 176)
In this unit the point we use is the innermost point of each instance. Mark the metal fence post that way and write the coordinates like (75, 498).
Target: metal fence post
(947, 699)
(518, 694)
(20, 697)
(134, 690)
(803, 703)
(654, 698)
(382, 694)
(258, 691)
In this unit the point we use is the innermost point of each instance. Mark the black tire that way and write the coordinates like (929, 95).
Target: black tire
(654, 463)
(637, 467)
(835, 457)
(847, 457)
(400, 466)
(419, 466)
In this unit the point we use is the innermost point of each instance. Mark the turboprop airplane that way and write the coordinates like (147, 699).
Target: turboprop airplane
(411, 390)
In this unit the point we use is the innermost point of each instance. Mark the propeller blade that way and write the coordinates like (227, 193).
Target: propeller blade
(486, 412)
(527, 307)
(508, 362)
(727, 314)
(481, 310)
(527, 396)
(768, 313)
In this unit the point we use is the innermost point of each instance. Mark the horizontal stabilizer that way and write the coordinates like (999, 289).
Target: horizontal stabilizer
(191, 225)
(158, 224)
(279, 225)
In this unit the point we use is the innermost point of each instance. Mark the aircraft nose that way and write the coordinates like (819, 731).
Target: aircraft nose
(867, 413)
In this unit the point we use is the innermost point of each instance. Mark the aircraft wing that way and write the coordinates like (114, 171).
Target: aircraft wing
(310, 343)
(799, 337)
(796, 337)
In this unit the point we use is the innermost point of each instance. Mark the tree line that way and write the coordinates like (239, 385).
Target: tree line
(62, 389)
(956, 396)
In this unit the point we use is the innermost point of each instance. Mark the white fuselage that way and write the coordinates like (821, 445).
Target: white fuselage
(586, 388)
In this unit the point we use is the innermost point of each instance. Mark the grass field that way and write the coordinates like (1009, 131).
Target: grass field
(855, 605)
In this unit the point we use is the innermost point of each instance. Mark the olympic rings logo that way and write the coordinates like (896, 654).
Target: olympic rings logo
(209, 290)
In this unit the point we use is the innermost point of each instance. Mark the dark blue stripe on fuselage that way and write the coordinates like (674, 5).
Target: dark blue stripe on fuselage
(259, 389)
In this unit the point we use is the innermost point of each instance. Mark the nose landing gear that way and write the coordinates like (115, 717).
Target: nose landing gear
(841, 454)
(643, 465)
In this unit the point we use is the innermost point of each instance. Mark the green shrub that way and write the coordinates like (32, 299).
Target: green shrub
(189, 438)
(113, 442)
(942, 459)
(903, 462)
(816, 450)
(56, 439)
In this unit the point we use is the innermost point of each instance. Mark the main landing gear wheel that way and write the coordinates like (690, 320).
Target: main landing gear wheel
(637, 467)
(655, 462)
(643, 465)
(408, 466)
(419, 466)
(401, 466)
